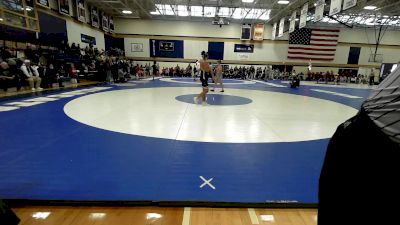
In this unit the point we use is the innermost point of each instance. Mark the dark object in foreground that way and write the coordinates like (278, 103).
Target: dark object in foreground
(359, 182)
(7, 216)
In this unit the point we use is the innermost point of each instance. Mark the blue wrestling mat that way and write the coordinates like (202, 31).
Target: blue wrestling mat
(75, 146)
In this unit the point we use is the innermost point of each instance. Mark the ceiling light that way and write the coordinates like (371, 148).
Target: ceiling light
(155, 13)
(1, 19)
(247, 1)
(126, 11)
(370, 7)
(28, 9)
(283, 2)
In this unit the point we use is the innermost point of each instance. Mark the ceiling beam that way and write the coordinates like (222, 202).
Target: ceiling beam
(287, 10)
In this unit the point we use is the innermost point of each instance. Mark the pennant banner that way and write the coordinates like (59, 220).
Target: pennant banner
(303, 16)
(347, 4)
(44, 3)
(80, 6)
(111, 24)
(274, 31)
(336, 6)
(95, 17)
(63, 6)
(319, 11)
(292, 22)
(104, 21)
(258, 32)
(281, 27)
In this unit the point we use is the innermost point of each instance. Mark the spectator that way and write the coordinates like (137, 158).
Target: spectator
(372, 77)
(6, 78)
(73, 74)
(31, 75)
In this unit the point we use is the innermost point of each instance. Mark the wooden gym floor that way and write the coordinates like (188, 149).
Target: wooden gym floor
(66, 215)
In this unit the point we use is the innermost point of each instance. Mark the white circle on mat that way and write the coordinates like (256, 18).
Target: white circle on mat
(154, 112)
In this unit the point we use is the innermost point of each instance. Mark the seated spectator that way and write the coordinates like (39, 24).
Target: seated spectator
(61, 75)
(52, 76)
(73, 74)
(6, 78)
(5, 53)
(31, 75)
(295, 82)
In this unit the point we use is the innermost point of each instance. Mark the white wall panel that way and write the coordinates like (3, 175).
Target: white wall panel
(192, 48)
(74, 31)
(143, 41)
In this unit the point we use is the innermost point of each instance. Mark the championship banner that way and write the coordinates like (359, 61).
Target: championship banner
(81, 13)
(303, 16)
(95, 17)
(63, 6)
(281, 27)
(336, 6)
(292, 22)
(319, 10)
(104, 21)
(44, 3)
(258, 32)
(111, 24)
(347, 4)
(274, 31)
(246, 32)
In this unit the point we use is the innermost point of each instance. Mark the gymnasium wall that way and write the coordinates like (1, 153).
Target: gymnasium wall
(196, 36)
(76, 28)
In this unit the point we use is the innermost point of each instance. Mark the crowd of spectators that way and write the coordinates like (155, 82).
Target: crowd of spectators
(267, 73)
(42, 68)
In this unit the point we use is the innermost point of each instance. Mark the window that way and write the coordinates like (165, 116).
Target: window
(19, 13)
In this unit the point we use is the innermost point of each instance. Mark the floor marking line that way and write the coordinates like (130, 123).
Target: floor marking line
(7, 108)
(183, 119)
(253, 216)
(41, 99)
(186, 216)
(270, 84)
(207, 182)
(24, 104)
(61, 96)
(336, 93)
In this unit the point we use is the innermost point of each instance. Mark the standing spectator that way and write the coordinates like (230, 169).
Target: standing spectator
(372, 77)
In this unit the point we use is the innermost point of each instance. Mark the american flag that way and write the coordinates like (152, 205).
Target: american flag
(313, 44)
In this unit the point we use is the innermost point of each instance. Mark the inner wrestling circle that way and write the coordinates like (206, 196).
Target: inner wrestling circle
(216, 99)
(155, 112)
